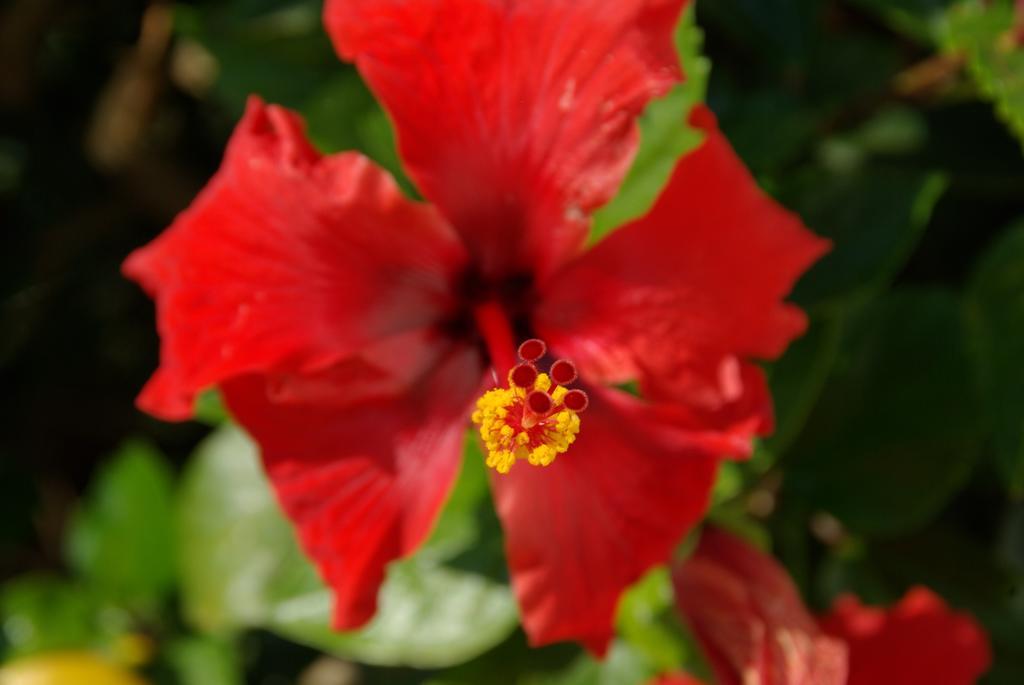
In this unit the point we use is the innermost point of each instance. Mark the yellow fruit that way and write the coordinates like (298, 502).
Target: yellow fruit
(66, 668)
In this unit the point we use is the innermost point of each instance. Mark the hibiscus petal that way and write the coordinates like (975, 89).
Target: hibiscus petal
(382, 370)
(288, 260)
(680, 298)
(516, 117)
(363, 483)
(580, 531)
(748, 616)
(919, 641)
(716, 392)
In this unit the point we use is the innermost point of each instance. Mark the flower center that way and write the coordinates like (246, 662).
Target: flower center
(536, 417)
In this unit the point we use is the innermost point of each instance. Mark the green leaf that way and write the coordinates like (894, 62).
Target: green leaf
(997, 299)
(513, 662)
(743, 113)
(984, 32)
(342, 114)
(429, 616)
(204, 661)
(210, 409)
(276, 50)
(892, 131)
(121, 540)
(622, 666)
(648, 623)
(797, 379)
(232, 539)
(898, 428)
(242, 567)
(664, 136)
(874, 218)
(43, 614)
(460, 526)
(644, 620)
(280, 52)
(918, 19)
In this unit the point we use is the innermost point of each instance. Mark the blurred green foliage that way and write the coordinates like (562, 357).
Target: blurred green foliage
(891, 440)
(121, 540)
(997, 299)
(984, 34)
(898, 459)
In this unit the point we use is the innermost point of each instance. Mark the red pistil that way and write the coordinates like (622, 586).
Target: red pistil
(523, 375)
(563, 372)
(535, 417)
(576, 400)
(538, 406)
(532, 350)
(539, 403)
(496, 331)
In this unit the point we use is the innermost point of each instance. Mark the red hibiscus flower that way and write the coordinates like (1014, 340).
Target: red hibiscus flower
(755, 630)
(352, 331)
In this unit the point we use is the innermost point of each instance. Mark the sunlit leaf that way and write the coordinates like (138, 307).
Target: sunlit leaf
(647, 621)
(242, 567)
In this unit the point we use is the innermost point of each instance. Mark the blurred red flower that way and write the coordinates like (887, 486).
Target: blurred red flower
(919, 641)
(351, 330)
(749, 618)
(755, 630)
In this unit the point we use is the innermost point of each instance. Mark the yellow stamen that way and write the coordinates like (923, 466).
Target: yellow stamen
(510, 431)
